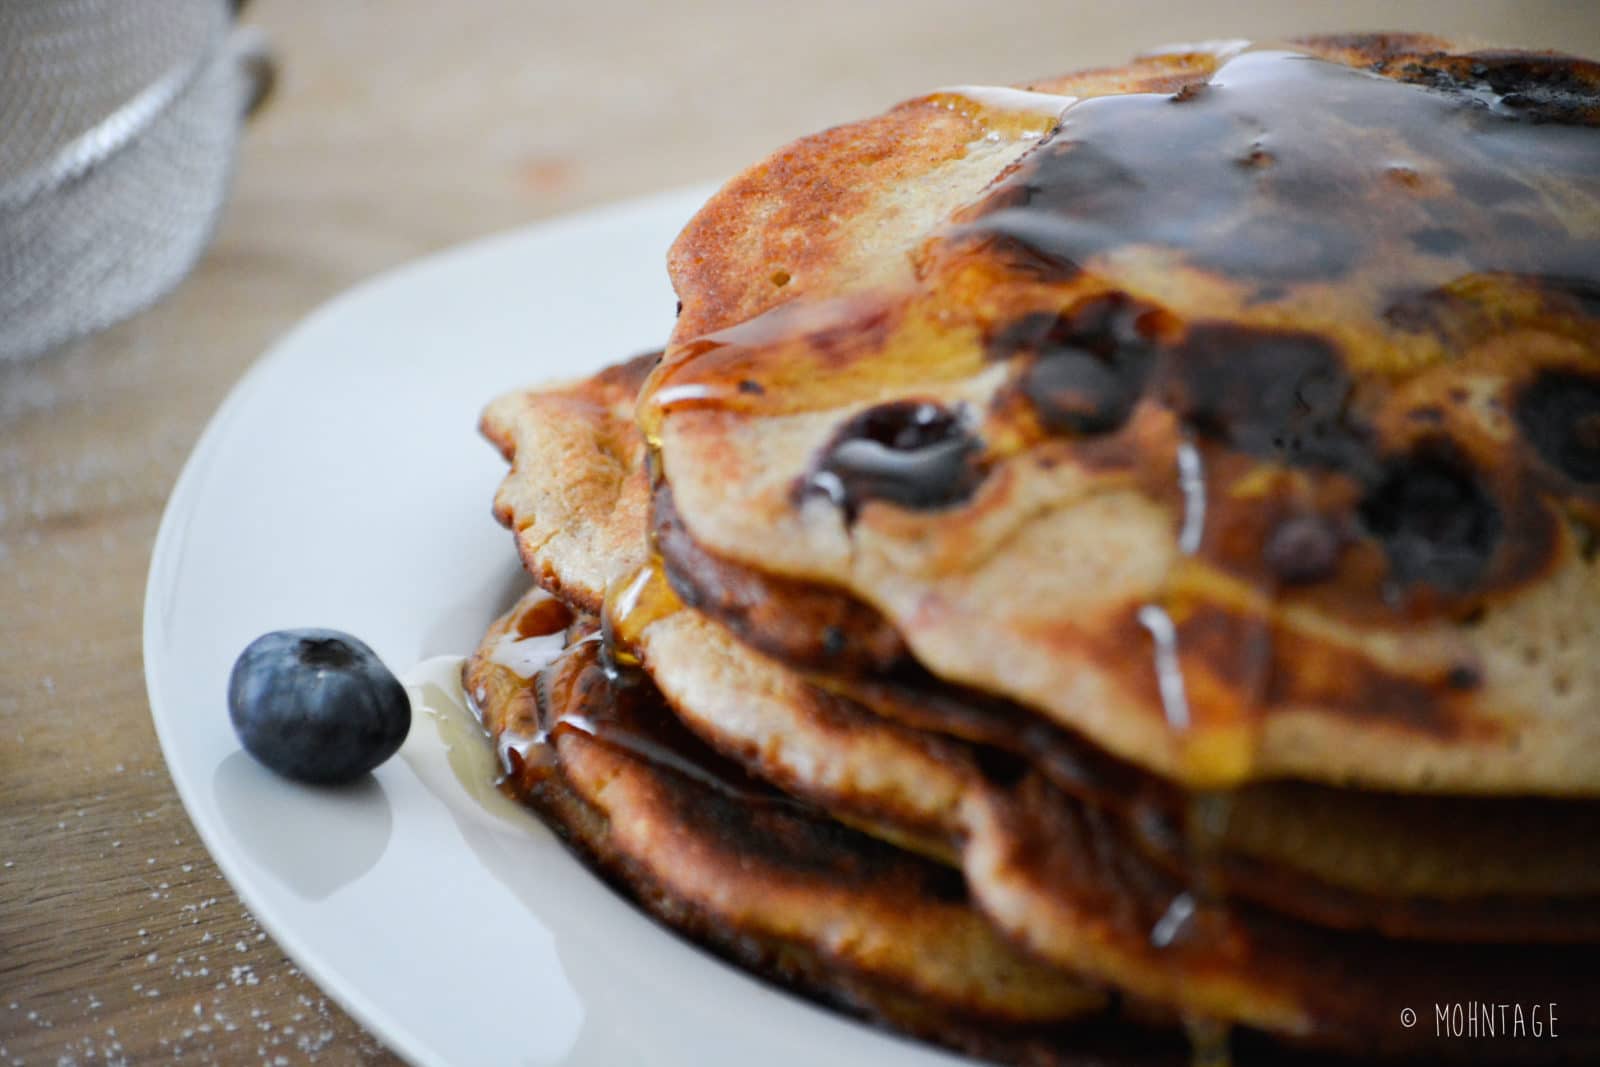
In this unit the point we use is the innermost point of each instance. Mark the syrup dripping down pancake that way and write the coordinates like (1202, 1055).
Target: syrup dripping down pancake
(1086, 897)
(765, 880)
(1034, 475)
(1245, 423)
(1441, 868)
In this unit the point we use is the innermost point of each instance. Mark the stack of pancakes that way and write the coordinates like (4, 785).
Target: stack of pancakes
(1107, 565)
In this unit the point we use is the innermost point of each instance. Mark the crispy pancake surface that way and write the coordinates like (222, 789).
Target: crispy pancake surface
(1082, 874)
(765, 879)
(1238, 409)
(1113, 551)
(1491, 869)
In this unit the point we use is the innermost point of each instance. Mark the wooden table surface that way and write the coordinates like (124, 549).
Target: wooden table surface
(397, 129)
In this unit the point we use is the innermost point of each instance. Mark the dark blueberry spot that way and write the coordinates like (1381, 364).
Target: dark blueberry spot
(1463, 676)
(750, 387)
(316, 705)
(833, 641)
(1089, 364)
(1303, 549)
(1074, 391)
(1559, 413)
(914, 454)
(1436, 522)
(1277, 394)
(1438, 241)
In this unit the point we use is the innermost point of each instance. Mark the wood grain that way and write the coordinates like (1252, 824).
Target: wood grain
(397, 129)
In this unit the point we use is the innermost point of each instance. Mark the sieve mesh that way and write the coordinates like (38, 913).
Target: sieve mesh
(118, 124)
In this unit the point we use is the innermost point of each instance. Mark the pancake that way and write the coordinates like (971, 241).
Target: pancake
(1060, 877)
(1103, 553)
(1024, 845)
(1240, 456)
(767, 881)
(881, 753)
(1063, 876)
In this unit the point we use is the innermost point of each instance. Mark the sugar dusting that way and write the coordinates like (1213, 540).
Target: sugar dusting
(201, 954)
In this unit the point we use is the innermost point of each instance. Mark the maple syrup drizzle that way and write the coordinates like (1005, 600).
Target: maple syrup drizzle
(1235, 175)
(527, 656)
(1357, 205)
(1169, 671)
(1196, 920)
(1192, 483)
(607, 696)
(519, 749)
(633, 604)
(1004, 112)
(913, 454)
(579, 686)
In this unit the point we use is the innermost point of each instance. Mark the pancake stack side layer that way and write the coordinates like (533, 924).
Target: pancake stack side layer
(1106, 571)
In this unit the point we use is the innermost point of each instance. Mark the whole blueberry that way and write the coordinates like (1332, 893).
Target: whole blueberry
(316, 705)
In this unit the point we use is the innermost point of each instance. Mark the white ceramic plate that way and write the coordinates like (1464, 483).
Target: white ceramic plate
(343, 484)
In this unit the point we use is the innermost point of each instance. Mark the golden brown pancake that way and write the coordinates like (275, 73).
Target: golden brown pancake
(766, 880)
(784, 890)
(1245, 424)
(1170, 496)
(1436, 868)
(1061, 876)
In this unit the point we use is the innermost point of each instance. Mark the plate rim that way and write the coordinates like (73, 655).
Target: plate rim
(166, 553)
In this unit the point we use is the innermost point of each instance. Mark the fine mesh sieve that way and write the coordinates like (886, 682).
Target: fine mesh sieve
(118, 124)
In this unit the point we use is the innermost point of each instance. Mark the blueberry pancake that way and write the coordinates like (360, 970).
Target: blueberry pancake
(1130, 539)
(1075, 855)
(1245, 423)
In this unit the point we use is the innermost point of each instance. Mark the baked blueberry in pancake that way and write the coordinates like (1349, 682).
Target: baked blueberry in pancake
(1272, 370)
(1319, 879)
(1151, 515)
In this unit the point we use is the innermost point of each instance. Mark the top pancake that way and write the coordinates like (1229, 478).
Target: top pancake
(1243, 415)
